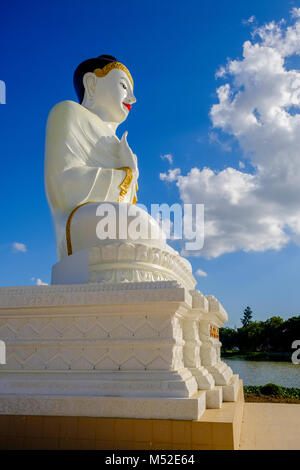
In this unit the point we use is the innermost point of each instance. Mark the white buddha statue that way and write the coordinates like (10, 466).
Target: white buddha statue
(86, 167)
(84, 159)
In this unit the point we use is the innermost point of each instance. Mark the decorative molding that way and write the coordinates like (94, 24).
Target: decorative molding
(216, 310)
(91, 287)
(199, 301)
(138, 262)
(91, 294)
(113, 336)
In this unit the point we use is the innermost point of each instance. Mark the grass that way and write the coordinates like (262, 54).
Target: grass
(271, 393)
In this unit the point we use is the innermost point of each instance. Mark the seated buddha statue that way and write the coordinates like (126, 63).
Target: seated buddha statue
(85, 162)
(87, 167)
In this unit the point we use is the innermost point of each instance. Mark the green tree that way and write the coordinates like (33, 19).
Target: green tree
(250, 338)
(228, 338)
(272, 334)
(246, 320)
(290, 332)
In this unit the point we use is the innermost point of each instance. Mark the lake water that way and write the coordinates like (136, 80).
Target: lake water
(285, 374)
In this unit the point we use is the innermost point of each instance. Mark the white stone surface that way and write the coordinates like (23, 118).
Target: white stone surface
(89, 295)
(192, 348)
(113, 407)
(127, 340)
(220, 372)
(114, 383)
(230, 391)
(214, 397)
(204, 378)
(211, 350)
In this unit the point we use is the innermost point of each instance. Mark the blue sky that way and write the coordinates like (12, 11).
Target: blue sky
(173, 50)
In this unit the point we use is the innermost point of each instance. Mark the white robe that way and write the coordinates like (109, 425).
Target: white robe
(81, 161)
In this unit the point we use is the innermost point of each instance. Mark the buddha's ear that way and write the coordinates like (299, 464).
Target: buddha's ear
(89, 82)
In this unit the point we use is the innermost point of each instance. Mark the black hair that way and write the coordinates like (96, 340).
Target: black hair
(89, 66)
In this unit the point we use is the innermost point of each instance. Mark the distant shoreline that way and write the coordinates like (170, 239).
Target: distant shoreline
(258, 356)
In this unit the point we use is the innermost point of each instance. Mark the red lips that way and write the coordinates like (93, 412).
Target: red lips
(128, 106)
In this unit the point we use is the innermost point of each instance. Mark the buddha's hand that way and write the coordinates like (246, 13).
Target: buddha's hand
(127, 157)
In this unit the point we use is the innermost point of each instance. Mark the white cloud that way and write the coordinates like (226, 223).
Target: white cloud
(19, 247)
(171, 176)
(201, 273)
(241, 165)
(260, 107)
(168, 157)
(295, 12)
(221, 72)
(249, 20)
(39, 281)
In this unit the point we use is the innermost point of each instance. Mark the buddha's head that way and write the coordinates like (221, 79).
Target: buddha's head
(105, 87)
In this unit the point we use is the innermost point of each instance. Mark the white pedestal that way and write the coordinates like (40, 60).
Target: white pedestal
(123, 261)
(119, 350)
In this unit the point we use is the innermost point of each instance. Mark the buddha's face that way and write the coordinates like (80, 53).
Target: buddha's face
(109, 97)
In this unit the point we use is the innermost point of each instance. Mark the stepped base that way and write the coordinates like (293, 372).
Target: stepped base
(204, 379)
(230, 391)
(221, 372)
(214, 397)
(113, 407)
(165, 384)
(127, 350)
(215, 430)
